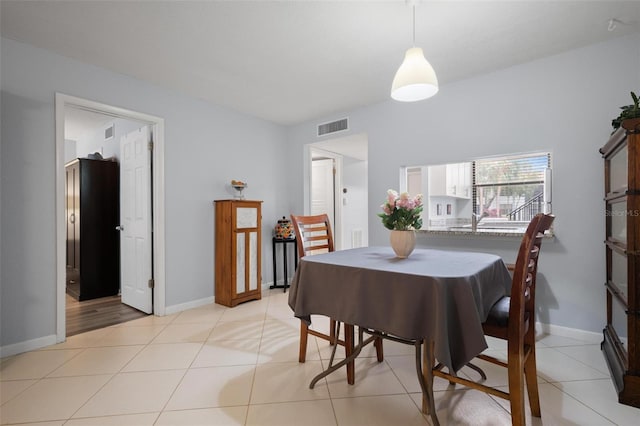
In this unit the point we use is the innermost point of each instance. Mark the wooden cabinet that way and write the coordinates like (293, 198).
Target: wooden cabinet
(450, 180)
(92, 212)
(621, 344)
(238, 244)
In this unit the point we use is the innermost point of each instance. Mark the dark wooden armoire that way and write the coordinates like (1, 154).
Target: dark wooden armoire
(93, 242)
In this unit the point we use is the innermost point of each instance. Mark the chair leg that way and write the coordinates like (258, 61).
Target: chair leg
(348, 349)
(379, 350)
(332, 332)
(532, 383)
(302, 356)
(428, 362)
(516, 389)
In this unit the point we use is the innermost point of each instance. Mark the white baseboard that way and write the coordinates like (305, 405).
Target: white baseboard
(188, 305)
(200, 302)
(27, 345)
(572, 333)
(266, 286)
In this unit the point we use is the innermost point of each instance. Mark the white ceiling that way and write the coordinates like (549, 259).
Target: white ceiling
(79, 122)
(292, 61)
(354, 146)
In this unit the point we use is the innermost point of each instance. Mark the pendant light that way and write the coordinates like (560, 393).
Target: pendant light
(415, 80)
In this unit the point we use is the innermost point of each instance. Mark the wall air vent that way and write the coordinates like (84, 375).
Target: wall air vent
(108, 132)
(333, 127)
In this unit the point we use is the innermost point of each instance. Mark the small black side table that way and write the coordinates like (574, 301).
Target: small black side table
(284, 242)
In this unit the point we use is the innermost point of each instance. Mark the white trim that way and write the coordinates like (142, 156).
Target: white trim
(61, 320)
(157, 127)
(27, 345)
(337, 202)
(159, 291)
(572, 333)
(188, 305)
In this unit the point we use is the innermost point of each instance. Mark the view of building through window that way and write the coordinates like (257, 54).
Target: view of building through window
(504, 192)
(510, 187)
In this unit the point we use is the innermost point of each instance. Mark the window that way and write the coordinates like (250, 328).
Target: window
(498, 193)
(512, 187)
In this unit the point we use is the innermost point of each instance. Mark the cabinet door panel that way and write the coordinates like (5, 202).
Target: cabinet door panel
(246, 217)
(253, 261)
(618, 212)
(465, 180)
(619, 322)
(437, 180)
(618, 166)
(619, 272)
(240, 263)
(452, 179)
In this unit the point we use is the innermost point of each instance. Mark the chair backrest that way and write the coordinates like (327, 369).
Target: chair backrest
(523, 287)
(313, 234)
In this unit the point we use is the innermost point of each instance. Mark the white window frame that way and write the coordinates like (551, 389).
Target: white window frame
(543, 178)
(514, 227)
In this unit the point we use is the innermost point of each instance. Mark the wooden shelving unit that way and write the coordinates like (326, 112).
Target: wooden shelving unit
(621, 344)
(238, 244)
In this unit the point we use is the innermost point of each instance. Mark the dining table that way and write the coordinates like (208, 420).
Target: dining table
(436, 299)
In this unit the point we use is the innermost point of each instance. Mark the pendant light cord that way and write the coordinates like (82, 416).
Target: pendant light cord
(414, 25)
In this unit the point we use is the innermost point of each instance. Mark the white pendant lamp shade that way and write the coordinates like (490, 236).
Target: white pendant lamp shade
(415, 80)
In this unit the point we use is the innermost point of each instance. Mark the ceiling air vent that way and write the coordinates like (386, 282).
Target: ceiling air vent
(334, 126)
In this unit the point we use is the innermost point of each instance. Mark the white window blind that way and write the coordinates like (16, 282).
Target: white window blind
(512, 187)
(513, 169)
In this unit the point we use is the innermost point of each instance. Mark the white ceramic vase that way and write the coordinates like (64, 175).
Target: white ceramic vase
(403, 242)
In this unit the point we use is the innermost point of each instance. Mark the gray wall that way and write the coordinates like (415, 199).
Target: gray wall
(564, 104)
(206, 147)
(95, 142)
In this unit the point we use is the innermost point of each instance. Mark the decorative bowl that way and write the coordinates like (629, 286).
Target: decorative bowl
(239, 186)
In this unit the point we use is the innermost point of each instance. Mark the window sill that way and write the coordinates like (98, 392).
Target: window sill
(480, 232)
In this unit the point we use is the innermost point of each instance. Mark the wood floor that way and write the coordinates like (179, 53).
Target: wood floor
(97, 313)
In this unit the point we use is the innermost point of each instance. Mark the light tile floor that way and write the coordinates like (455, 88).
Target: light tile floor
(238, 366)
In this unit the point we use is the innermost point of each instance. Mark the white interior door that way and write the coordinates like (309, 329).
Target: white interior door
(135, 220)
(322, 188)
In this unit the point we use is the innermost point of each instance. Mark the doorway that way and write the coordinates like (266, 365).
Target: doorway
(338, 185)
(66, 107)
(324, 189)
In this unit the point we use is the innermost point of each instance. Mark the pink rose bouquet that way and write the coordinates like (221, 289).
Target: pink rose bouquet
(401, 212)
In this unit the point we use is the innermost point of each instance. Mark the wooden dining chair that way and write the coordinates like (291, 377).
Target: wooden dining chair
(512, 318)
(314, 236)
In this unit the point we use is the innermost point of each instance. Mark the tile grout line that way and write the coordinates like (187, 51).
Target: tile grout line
(114, 375)
(579, 401)
(162, 410)
(255, 367)
(36, 379)
(189, 367)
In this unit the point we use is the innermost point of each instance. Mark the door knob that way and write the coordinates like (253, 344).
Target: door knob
(119, 228)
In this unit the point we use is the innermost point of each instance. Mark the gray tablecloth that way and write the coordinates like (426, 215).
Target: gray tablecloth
(442, 296)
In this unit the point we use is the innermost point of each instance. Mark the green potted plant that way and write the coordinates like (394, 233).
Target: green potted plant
(628, 112)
